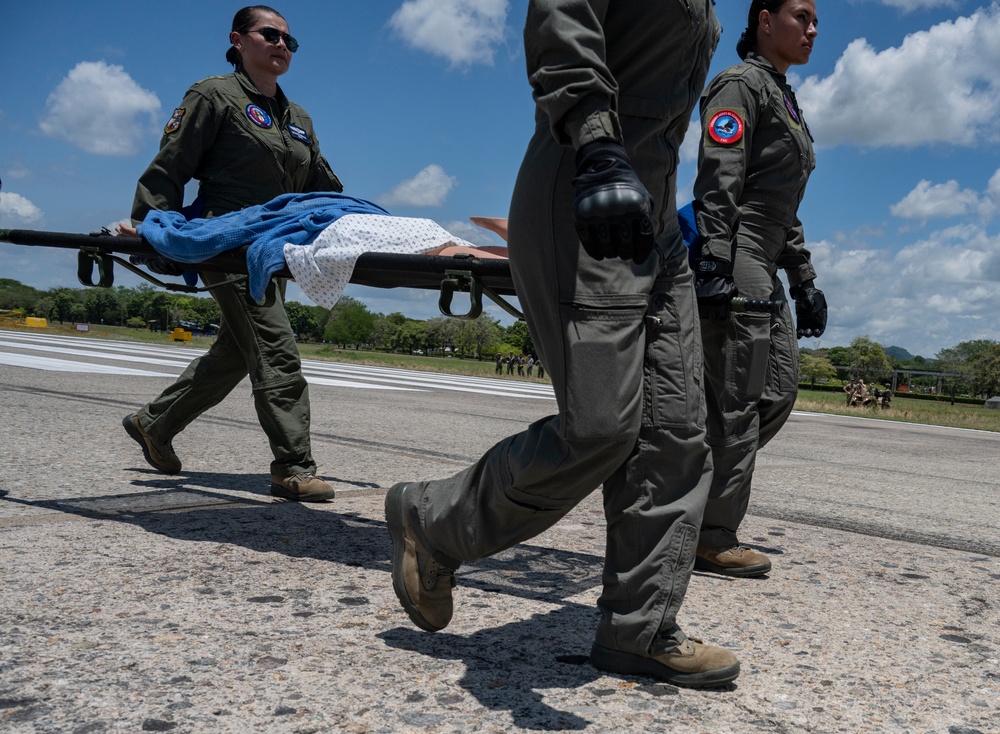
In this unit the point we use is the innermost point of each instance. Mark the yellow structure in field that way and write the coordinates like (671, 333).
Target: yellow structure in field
(180, 335)
(17, 318)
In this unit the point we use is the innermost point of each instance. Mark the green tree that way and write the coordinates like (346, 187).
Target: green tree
(839, 356)
(64, 301)
(958, 360)
(207, 312)
(350, 322)
(102, 306)
(410, 336)
(386, 328)
(303, 320)
(816, 368)
(478, 335)
(15, 295)
(44, 307)
(518, 336)
(985, 369)
(868, 361)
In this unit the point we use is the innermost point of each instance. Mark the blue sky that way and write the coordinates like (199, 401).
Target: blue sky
(423, 106)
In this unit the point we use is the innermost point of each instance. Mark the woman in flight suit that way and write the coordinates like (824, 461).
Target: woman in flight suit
(756, 157)
(246, 143)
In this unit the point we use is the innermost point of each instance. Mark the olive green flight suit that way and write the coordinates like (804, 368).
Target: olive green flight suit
(748, 190)
(245, 149)
(620, 340)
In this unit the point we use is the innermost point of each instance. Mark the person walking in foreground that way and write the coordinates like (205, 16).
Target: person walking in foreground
(602, 273)
(246, 143)
(756, 156)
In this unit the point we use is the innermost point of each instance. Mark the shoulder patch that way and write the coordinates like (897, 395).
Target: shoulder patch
(174, 123)
(726, 127)
(258, 116)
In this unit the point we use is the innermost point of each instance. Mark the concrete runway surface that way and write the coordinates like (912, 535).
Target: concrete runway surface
(134, 601)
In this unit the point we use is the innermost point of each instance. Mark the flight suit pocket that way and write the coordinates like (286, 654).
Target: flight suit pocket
(784, 357)
(603, 342)
(751, 347)
(672, 389)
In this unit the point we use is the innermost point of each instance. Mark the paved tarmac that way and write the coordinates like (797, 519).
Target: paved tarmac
(133, 601)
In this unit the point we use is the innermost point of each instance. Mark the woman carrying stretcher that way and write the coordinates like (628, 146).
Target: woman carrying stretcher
(246, 143)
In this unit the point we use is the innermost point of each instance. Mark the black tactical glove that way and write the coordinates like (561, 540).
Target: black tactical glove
(613, 210)
(714, 288)
(157, 264)
(810, 310)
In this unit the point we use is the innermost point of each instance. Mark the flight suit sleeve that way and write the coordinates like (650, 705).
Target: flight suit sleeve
(187, 136)
(728, 115)
(565, 50)
(321, 176)
(795, 259)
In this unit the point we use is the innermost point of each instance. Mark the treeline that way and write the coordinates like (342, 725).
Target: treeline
(349, 324)
(969, 368)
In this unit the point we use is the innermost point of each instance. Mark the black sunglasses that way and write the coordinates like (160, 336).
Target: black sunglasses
(273, 35)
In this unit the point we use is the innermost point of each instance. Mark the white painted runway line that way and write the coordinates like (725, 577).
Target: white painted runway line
(84, 355)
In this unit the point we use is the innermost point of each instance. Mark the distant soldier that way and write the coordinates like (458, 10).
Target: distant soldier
(861, 396)
(499, 364)
(849, 389)
(885, 396)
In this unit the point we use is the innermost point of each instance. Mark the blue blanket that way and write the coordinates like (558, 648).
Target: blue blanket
(291, 218)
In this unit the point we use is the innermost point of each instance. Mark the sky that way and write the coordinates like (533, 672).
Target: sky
(423, 106)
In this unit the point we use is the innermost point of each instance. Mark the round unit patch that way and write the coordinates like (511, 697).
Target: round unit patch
(726, 127)
(258, 116)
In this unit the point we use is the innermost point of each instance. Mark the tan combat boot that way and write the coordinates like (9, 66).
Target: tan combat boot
(691, 664)
(734, 560)
(301, 487)
(422, 584)
(158, 455)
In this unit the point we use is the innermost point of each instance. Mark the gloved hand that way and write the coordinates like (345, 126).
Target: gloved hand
(157, 264)
(810, 310)
(714, 288)
(613, 210)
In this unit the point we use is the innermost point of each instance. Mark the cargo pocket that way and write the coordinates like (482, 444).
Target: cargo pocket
(604, 342)
(785, 360)
(751, 348)
(673, 366)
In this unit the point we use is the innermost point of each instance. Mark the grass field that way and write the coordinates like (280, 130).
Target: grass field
(903, 409)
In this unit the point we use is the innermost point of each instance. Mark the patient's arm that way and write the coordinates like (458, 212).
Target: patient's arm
(494, 224)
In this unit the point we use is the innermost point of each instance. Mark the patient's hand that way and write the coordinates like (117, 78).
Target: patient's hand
(126, 231)
(494, 224)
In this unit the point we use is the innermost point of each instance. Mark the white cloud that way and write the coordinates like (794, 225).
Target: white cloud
(937, 200)
(939, 86)
(16, 207)
(16, 171)
(908, 6)
(99, 108)
(430, 187)
(464, 32)
(928, 201)
(925, 297)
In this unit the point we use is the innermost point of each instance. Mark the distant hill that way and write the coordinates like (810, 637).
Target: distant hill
(898, 353)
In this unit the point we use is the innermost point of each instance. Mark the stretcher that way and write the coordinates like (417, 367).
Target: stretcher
(478, 272)
(449, 270)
